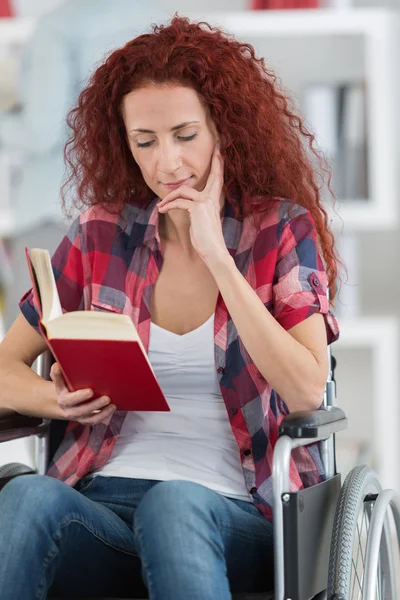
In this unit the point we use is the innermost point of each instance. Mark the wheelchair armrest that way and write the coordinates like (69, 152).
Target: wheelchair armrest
(14, 426)
(313, 423)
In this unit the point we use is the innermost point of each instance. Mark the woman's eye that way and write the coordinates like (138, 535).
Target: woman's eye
(187, 138)
(180, 138)
(144, 145)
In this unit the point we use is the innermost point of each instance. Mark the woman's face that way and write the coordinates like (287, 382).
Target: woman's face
(170, 135)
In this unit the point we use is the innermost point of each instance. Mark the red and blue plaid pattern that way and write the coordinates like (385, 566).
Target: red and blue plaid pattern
(112, 262)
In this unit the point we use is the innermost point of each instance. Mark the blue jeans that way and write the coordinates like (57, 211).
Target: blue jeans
(114, 536)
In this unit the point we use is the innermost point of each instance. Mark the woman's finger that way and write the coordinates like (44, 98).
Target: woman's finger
(182, 192)
(70, 399)
(179, 203)
(58, 379)
(86, 408)
(65, 397)
(100, 416)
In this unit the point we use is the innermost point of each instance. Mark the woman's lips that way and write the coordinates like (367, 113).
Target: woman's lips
(173, 186)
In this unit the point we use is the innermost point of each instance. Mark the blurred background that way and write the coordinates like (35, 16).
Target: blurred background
(339, 60)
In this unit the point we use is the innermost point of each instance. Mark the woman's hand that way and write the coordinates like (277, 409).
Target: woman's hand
(204, 211)
(76, 406)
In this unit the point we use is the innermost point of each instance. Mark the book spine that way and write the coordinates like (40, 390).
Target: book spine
(48, 342)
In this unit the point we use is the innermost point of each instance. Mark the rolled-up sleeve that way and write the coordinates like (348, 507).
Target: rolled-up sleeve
(68, 273)
(300, 280)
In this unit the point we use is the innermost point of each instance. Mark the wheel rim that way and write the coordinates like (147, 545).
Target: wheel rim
(383, 584)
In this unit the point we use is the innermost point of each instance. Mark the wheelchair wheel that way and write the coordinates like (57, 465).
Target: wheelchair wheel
(350, 558)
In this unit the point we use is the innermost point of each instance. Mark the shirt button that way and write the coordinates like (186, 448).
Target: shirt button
(316, 281)
(253, 490)
(234, 411)
(247, 452)
(220, 370)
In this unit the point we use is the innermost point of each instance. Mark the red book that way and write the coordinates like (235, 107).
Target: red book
(97, 350)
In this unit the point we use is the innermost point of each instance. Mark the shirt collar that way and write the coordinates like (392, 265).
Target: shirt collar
(144, 226)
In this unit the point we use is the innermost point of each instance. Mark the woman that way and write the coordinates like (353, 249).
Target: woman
(204, 224)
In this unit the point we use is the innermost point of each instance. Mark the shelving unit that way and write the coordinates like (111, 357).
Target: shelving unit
(380, 30)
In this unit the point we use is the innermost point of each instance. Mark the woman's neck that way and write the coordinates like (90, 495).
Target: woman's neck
(174, 227)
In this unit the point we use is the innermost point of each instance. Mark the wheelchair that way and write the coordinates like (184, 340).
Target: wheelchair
(331, 542)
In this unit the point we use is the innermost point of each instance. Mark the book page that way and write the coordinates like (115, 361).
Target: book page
(51, 306)
(95, 325)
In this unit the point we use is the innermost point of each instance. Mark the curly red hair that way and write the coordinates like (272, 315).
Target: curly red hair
(261, 134)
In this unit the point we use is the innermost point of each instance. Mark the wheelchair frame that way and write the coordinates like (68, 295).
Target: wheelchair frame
(309, 430)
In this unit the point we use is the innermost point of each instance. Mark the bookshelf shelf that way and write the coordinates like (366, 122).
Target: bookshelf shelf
(15, 31)
(289, 23)
(361, 215)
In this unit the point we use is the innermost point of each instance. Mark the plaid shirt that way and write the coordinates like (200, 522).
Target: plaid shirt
(112, 262)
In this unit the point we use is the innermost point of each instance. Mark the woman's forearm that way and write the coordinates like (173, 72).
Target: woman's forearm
(25, 392)
(288, 366)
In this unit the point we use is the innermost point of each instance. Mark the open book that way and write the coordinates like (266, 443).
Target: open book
(97, 350)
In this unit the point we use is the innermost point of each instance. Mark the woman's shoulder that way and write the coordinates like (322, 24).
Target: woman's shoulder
(128, 214)
(99, 218)
(94, 228)
(99, 227)
(98, 214)
(279, 212)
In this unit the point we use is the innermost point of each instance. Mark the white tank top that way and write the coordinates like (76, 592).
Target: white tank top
(194, 441)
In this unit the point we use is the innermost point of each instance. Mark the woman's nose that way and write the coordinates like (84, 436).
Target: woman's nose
(169, 158)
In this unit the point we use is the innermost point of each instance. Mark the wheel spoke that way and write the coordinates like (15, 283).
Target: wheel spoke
(355, 565)
(356, 578)
(364, 523)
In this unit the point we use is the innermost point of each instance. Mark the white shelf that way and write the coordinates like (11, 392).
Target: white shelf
(362, 215)
(15, 30)
(289, 23)
(381, 335)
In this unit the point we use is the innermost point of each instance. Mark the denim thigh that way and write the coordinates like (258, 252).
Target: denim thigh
(100, 568)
